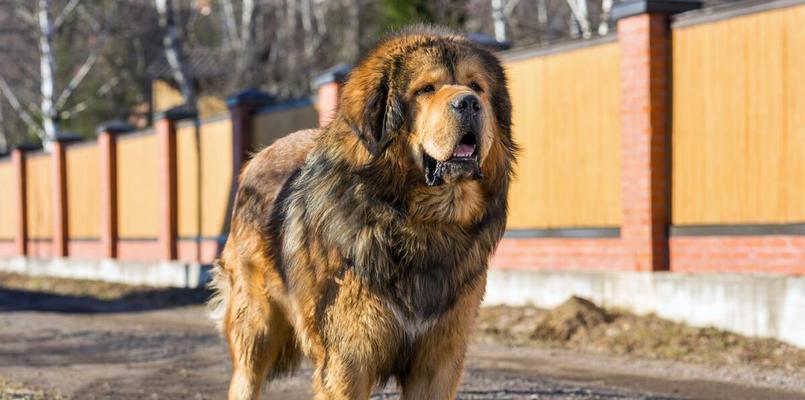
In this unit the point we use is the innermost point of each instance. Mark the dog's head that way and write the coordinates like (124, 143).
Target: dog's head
(436, 96)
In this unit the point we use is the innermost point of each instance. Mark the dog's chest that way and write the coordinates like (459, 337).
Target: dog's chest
(432, 271)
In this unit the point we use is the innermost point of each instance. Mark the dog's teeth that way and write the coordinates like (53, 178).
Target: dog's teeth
(463, 150)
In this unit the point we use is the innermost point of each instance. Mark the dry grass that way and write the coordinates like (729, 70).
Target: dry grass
(14, 391)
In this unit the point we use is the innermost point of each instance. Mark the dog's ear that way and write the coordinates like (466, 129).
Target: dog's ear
(372, 105)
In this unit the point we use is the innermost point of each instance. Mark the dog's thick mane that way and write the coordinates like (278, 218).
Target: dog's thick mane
(339, 241)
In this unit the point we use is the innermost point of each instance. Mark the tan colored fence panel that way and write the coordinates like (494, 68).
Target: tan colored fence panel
(216, 175)
(83, 191)
(566, 119)
(212, 192)
(138, 197)
(39, 195)
(739, 120)
(187, 180)
(270, 126)
(8, 206)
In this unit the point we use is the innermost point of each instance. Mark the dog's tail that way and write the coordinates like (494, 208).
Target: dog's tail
(219, 285)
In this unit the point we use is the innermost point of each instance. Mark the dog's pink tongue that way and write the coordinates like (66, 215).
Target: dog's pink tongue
(464, 150)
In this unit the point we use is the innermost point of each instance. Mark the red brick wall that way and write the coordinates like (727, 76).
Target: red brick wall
(777, 254)
(139, 250)
(8, 248)
(559, 253)
(39, 248)
(84, 249)
(644, 49)
(204, 251)
(59, 167)
(327, 102)
(741, 254)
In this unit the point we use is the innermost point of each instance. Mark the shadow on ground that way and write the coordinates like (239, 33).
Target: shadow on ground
(142, 300)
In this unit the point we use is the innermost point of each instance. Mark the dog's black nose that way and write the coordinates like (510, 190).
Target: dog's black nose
(467, 103)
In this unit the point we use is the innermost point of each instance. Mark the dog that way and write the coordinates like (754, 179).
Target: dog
(364, 245)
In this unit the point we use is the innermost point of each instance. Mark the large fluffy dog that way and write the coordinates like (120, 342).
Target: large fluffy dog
(364, 246)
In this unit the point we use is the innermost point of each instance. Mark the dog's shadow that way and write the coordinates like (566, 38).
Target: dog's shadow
(544, 393)
(12, 300)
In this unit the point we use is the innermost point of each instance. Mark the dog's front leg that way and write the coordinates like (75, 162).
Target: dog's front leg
(336, 378)
(358, 336)
(439, 358)
(436, 369)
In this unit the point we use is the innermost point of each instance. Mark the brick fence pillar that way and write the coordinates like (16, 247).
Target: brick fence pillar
(59, 175)
(644, 38)
(107, 150)
(20, 200)
(165, 127)
(242, 107)
(328, 89)
(241, 110)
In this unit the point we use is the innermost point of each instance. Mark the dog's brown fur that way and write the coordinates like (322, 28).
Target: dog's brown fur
(340, 251)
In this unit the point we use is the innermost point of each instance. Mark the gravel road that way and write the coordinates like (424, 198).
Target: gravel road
(83, 348)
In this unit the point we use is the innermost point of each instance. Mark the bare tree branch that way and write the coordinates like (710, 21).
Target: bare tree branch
(91, 20)
(579, 10)
(107, 86)
(230, 23)
(79, 76)
(172, 48)
(246, 23)
(510, 6)
(25, 15)
(313, 37)
(24, 115)
(73, 111)
(65, 12)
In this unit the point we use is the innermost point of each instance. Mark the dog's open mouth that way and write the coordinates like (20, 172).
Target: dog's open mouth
(467, 147)
(462, 165)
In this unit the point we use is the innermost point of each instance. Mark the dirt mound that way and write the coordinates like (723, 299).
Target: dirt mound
(576, 316)
(579, 324)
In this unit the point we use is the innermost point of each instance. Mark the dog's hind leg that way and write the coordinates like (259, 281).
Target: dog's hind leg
(261, 340)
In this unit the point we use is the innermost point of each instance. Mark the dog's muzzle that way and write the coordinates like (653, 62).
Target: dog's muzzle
(463, 164)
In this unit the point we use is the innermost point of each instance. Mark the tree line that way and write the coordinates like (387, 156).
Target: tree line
(68, 65)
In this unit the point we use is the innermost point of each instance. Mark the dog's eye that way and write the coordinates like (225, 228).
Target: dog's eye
(426, 89)
(476, 87)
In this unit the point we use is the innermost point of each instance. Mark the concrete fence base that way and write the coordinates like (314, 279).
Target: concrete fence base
(164, 273)
(750, 304)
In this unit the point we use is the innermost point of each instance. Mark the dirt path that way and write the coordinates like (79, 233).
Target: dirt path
(73, 347)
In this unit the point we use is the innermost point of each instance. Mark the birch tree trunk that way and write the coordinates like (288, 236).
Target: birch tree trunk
(47, 69)
(230, 23)
(603, 26)
(352, 34)
(172, 46)
(579, 10)
(3, 134)
(247, 24)
(499, 20)
(542, 20)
